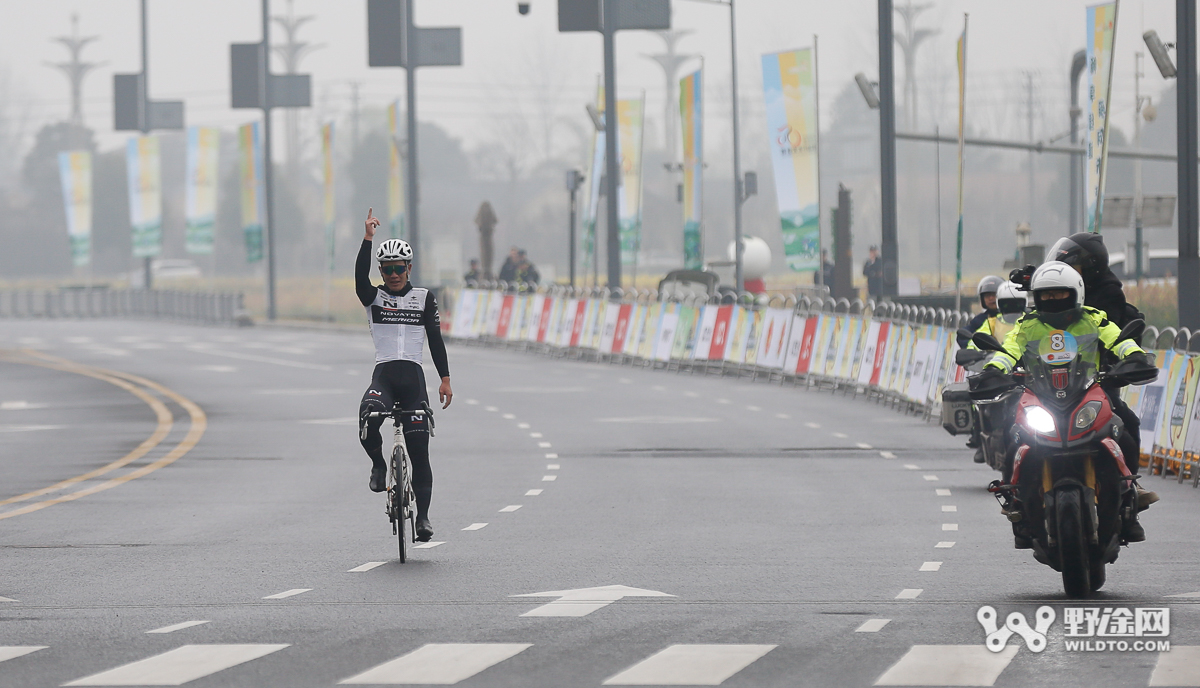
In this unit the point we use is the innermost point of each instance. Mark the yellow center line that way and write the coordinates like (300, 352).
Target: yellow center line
(198, 424)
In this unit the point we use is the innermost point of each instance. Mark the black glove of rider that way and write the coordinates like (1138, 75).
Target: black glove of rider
(989, 379)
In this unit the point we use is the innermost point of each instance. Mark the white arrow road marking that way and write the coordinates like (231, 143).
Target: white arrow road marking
(909, 594)
(174, 668)
(690, 665)
(1179, 667)
(948, 665)
(439, 664)
(366, 567)
(287, 593)
(584, 601)
(8, 652)
(177, 627)
(872, 626)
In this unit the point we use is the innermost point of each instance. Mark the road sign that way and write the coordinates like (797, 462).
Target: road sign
(587, 15)
(245, 72)
(127, 110)
(439, 46)
(385, 33)
(584, 601)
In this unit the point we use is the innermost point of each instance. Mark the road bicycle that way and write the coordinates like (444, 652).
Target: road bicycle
(401, 501)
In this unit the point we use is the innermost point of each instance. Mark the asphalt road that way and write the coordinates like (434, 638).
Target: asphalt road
(765, 535)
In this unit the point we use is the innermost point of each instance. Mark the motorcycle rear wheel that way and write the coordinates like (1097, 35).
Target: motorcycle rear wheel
(1073, 548)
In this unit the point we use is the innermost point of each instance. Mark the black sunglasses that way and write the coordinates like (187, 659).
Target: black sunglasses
(393, 269)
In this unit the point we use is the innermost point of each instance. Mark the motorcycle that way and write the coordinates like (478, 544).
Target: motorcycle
(992, 419)
(1070, 492)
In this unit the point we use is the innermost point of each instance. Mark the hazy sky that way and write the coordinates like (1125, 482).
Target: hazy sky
(508, 55)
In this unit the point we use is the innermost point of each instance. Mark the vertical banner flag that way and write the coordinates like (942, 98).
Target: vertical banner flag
(1101, 28)
(330, 198)
(690, 113)
(630, 126)
(789, 85)
(203, 144)
(253, 195)
(962, 95)
(593, 205)
(395, 196)
(75, 174)
(144, 174)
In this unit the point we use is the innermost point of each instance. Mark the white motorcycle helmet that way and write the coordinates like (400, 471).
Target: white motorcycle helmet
(1055, 276)
(1011, 302)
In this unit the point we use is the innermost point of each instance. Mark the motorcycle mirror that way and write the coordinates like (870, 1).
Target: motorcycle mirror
(986, 341)
(964, 357)
(965, 333)
(1132, 330)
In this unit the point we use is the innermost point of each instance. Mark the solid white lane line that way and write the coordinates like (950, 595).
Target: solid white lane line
(510, 508)
(532, 493)
(872, 626)
(942, 492)
(549, 478)
(366, 567)
(177, 627)
(949, 507)
(287, 593)
(690, 665)
(948, 665)
(1179, 667)
(863, 445)
(428, 545)
(551, 456)
(552, 467)
(535, 434)
(887, 455)
(930, 566)
(949, 526)
(29, 428)
(912, 467)
(8, 652)
(931, 478)
(945, 544)
(910, 593)
(440, 664)
(475, 526)
(523, 426)
(19, 406)
(544, 445)
(178, 666)
(814, 426)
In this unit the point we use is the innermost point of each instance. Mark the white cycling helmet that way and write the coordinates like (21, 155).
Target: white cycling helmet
(394, 249)
(1010, 299)
(1052, 276)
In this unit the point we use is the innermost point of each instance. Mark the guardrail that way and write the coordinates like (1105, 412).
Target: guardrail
(896, 354)
(191, 306)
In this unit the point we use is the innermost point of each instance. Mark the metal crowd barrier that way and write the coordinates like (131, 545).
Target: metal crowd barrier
(165, 304)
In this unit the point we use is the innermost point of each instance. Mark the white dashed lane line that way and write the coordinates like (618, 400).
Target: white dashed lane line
(491, 409)
(930, 566)
(552, 456)
(523, 426)
(552, 467)
(931, 478)
(944, 545)
(814, 426)
(177, 627)
(532, 493)
(912, 467)
(753, 408)
(287, 593)
(943, 492)
(427, 545)
(476, 526)
(472, 402)
(549, 478)
(544, 445)
(909, 594)
(508, 416)
(887, 455)
(872, 626)
(510, 508)
(840, 435)
(949, 526)
(782, 415)
(535, 434)
(949, 508)
(864, 445)
(366, 567)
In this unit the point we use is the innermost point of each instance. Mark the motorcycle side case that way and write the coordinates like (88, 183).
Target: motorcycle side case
(957, 416)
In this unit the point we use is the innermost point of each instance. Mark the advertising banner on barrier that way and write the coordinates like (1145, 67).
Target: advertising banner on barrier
(789, 86)
(704, 333)
(75, 178)
(144, 173)
(253, 193)
(608, 332)
(685, 333)
(203, 146)
(1149, 409)
(1174, 374)
(464, 314)
(772, 345)
(1179, 416)
(504, 318)
(664, 341)
(650, 328)
(799, 351)
(637, 326)
(691, 108)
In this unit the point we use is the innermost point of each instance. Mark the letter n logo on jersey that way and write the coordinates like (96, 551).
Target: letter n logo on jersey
(1059, 377)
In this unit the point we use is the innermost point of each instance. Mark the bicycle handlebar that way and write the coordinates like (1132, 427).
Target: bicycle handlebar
(396, 412)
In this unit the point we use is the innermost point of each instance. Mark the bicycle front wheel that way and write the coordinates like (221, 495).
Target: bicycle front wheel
(398, 498)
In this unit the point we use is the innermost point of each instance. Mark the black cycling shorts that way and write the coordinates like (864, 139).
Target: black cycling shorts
(397, 381)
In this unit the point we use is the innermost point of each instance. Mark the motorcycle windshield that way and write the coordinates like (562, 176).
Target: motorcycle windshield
(1061, 366)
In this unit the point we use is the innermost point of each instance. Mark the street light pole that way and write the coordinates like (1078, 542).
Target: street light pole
(411, 191)
(268, 175)
(738, 196)
(1078, 62)
(612, 165)
(887, 152)
(144, 118)
(1189, 205)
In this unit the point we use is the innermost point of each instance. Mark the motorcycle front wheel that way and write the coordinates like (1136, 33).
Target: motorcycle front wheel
(1073, 551)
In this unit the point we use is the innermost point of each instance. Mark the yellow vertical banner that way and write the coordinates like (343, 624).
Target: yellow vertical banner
(203, 146)
(395, 194)
(691, 110)
(75, 175)
(251, 168)
(144, 175)
(1101, 30)
(630, 126)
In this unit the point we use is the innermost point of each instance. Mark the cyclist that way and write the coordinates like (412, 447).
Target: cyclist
(402, 317)
(987, 300)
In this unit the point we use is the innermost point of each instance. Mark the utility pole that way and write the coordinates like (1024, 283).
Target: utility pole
(574, 179)
(888, 244)
(739, 196)
(1188, 284)
(75, 69)
(1138, 58)
(1029, 123)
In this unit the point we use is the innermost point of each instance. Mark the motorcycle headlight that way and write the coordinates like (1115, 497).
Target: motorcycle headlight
(1039, 419)
(1086, 415)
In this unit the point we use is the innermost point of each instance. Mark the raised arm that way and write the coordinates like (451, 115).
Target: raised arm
(362, 266)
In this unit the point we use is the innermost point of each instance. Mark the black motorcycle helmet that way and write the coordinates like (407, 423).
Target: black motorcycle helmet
(1083, 251)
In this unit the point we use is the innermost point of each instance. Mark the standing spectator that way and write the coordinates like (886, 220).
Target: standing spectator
(873, 271)
(526, 273)
(826, 275)
(508, 271)
(473, 275)
(486, 220)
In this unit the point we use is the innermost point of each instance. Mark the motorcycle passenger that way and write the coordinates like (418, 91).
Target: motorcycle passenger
(1059, 293)
(403, 318)
(1087, 253)
(987, 300)
(1010, 305)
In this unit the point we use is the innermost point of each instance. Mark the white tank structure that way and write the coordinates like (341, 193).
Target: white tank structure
(756, 257)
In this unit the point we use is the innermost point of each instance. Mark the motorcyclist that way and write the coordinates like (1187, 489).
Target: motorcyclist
(1087, 253)
(1010, 305)
(1059, 296)
(986, 291)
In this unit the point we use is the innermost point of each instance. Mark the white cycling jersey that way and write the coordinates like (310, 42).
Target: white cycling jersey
(398, 324)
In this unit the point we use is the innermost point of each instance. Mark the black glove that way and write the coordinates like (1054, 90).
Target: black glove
(1139, 357)
(1022, 276)
(988, 384)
